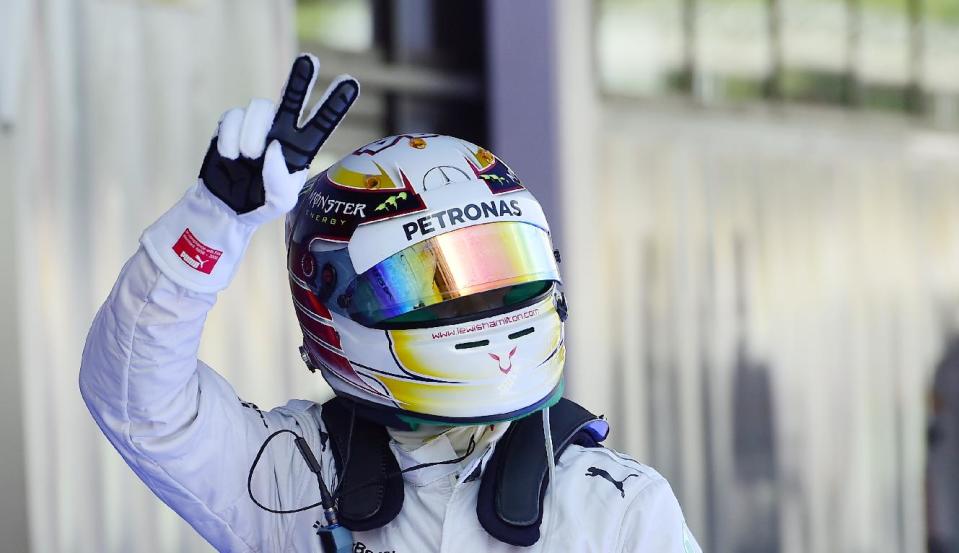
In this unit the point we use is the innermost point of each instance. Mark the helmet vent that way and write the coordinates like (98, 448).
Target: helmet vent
(521, 333)
(468, 345)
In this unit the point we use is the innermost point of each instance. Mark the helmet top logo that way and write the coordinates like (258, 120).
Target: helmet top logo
(414, 140)
(509, 360)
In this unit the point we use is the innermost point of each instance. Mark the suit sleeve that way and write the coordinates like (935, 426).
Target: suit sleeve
(654, 522)
(177, 423)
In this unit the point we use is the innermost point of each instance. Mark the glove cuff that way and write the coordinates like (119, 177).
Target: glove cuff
(199, 242)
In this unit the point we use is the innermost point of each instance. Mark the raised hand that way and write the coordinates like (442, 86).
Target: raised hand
(256, 164)
(300, 144)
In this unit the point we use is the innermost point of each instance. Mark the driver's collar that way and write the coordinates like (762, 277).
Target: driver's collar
(434, 444)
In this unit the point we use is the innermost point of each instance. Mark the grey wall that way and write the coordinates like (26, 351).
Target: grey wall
(13, 498)
(522, 95)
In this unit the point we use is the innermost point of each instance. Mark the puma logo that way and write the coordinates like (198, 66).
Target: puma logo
(196, 261)
(196, 254)
(593, 471)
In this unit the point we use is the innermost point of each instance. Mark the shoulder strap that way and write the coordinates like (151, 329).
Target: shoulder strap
(375, 497)
(510, 502)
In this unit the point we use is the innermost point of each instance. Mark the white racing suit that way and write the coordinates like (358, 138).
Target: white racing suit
(182, 429)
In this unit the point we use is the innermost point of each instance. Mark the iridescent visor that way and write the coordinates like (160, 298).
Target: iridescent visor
(452, 265)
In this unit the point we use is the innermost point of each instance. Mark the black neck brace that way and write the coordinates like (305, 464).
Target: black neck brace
(510, 501)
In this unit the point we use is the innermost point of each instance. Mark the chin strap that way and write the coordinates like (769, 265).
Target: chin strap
(510, 501)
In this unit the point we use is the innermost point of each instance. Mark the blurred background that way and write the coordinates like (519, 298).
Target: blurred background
(757, 203)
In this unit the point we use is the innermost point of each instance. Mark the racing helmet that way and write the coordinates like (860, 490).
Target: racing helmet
(426, 284)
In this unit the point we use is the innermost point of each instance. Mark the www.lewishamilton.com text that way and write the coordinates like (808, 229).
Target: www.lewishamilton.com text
(483, 325)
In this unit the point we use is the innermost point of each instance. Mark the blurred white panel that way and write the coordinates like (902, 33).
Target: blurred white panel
(814, 34)
(345, 25)
(733, 38)
(14, 26)
(639, 44)
(884, 57)
(940, 70)
(120, 99)
(644, 46)
(13, 492)
(776, 291)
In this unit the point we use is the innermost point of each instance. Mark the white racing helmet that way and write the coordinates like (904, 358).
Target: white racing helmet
(426, 285)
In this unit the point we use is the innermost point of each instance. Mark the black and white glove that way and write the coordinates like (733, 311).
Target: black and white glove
(253, 172)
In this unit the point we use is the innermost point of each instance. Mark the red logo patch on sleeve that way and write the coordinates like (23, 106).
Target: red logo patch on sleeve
(196, 254)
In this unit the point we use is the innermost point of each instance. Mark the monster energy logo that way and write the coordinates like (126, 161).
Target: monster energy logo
(390, 203)
(501, 180)
(322, 203)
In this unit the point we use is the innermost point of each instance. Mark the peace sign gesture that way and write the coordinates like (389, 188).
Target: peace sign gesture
(256, 164)
(300, 144)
